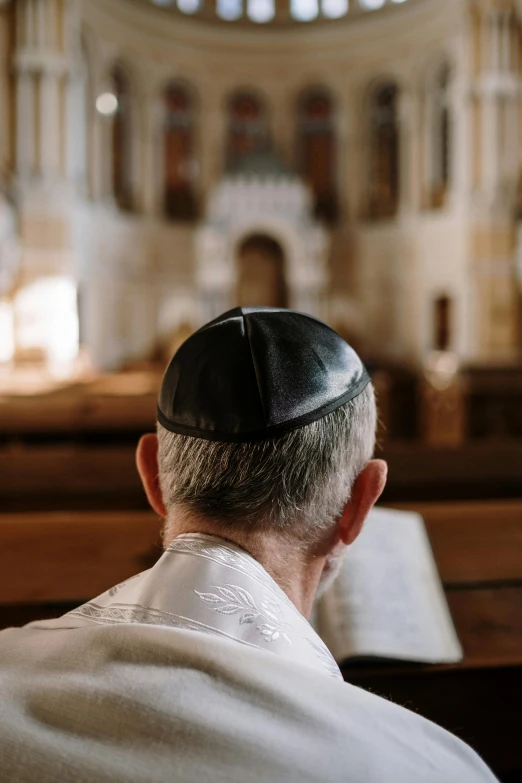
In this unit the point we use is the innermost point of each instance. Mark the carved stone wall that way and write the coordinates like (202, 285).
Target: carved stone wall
(278, 207)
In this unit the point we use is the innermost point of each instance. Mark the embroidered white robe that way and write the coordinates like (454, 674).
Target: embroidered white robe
(201, 669)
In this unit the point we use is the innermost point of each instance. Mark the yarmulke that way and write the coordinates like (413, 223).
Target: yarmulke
(256, 373)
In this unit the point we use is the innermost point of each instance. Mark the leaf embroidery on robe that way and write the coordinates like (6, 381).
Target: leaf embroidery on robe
(233, 599)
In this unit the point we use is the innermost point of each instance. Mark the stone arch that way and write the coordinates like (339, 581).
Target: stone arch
(261, 273)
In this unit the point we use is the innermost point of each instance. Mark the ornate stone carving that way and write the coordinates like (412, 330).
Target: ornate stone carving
(274, 204)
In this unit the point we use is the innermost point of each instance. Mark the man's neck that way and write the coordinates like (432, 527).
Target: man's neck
(297, 570)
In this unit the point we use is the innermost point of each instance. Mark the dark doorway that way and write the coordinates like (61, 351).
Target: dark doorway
(261, 275)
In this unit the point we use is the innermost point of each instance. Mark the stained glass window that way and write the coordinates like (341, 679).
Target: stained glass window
(247, 127)
(180, 165)
(383, 158)
(317, 150)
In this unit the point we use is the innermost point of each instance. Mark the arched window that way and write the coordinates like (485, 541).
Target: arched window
(261, 11)
(122, 132)
(189, 6)
(229, 10)
(304, 10)
(180, 166)
(317, 150)
(439, 135)
(334, 9)
(247, 127)
(442, 323)
(383, 175)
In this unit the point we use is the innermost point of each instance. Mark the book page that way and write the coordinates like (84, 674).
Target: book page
(388, 599)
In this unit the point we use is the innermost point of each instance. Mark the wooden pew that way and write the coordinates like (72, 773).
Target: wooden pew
(70, 476)
(477, 545)
(36, 476)
(65, 556)
(106, 403)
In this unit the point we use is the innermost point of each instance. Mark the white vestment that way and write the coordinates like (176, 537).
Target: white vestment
(201, 669)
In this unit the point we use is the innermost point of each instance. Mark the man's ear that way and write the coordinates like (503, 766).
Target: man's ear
(147, 464)
(366, 491)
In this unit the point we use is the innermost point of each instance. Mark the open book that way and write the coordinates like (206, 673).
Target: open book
(388, 600)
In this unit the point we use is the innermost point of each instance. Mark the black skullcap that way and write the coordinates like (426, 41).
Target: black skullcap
(256, 373)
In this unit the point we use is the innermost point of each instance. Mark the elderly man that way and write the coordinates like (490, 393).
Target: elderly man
(205, 668)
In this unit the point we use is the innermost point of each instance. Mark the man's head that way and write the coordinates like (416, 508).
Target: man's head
(283, 418)
(295, 486)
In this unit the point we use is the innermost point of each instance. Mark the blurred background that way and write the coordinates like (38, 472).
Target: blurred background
(162, 161)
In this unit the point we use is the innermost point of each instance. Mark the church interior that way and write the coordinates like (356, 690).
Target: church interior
(162, 161)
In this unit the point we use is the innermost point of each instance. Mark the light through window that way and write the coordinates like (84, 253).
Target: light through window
(46, 313)
(229, 10)
(372, 5)
(189, 6)
(261, 10)
(304, 10)
(334, 9)
(7, 339)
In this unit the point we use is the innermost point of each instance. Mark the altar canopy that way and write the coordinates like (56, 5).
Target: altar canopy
(260, 199)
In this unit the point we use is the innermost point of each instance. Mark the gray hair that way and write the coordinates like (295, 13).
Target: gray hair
(296, 485)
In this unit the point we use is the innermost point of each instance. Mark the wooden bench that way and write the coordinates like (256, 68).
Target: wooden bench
(102, 474)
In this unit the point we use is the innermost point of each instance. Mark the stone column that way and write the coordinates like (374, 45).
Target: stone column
(513, 40)
(27, 19)
(418, 157)
(485, 44)
(352, 158)
(461, 139)
(496, 40)
(41, 11)
(25, 124)
(103, 157)
(76, 130)
(211, 144)
(152, 188)
(490, 142)
(345, 129)
(49, 124)
(406, 151)
(505, 42)
(46, 56)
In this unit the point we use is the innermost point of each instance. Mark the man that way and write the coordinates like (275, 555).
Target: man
(204, 668)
